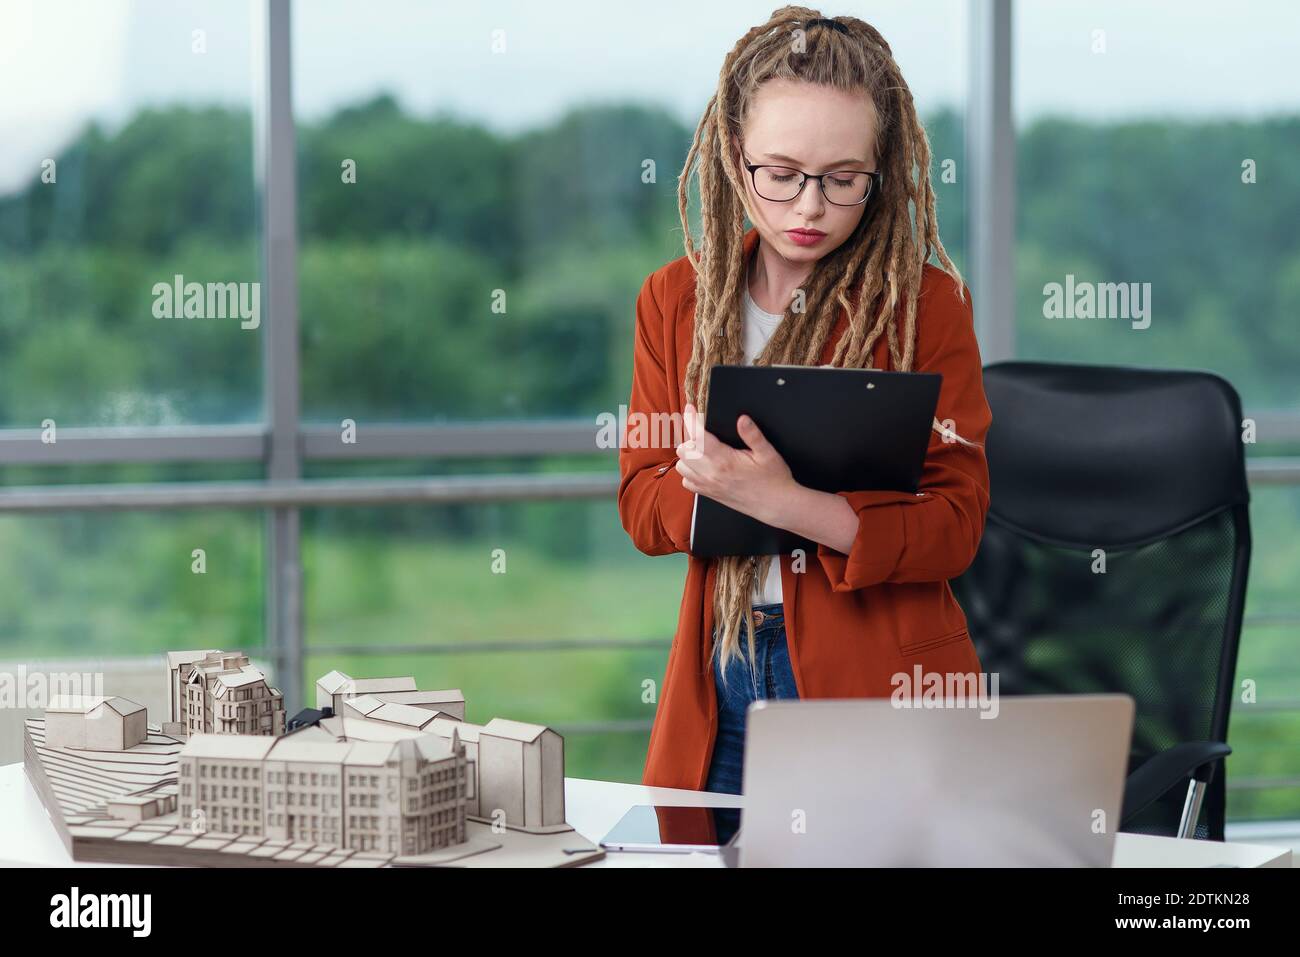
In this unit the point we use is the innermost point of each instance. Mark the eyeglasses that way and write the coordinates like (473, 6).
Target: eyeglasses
(781, 184)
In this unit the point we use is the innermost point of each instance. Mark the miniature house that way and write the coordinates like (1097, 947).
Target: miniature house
(514, 768)
(468, 735)
(336, 687)
(220, 692)
(521, 772)
(395, 777)
(352, 727)
(450, 702)
(176, 680)
(143, 805)
(94, 723)
(403, 797)
(408, 716)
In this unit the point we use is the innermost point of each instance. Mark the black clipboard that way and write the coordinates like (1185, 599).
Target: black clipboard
(837, 429)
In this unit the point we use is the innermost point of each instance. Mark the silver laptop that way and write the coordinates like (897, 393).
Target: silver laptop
(1032, 780)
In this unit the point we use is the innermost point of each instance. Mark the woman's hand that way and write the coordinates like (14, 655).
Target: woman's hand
(754, 480)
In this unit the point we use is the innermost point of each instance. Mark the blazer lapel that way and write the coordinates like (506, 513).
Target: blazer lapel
(685, 325)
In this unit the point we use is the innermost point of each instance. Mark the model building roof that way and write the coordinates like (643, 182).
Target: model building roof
(316, 748)
(252, 747)
(404, 714)
(515, 730)
(422, 697)
(297, 748)
(245, 676)
(177, 658)
(363, 729)
(363, 704)
(305, 718)
(82, 703)
(310, 732)
(123, 706)
(333, 682)
(444, 724)
(432, 747)
(376, 753)
(220, 662)
(336, 682)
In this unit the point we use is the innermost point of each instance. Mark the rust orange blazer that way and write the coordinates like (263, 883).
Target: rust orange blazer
(852, 621)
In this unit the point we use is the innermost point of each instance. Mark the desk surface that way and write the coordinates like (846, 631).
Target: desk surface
(27, 837)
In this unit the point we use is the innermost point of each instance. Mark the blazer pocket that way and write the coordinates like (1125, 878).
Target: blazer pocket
(926, 644)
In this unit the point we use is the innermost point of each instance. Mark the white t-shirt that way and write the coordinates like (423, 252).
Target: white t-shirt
(759, 326)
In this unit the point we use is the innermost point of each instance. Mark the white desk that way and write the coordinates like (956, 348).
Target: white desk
(27, 837)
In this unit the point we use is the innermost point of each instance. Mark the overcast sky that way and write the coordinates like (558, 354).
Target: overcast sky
(64, 61)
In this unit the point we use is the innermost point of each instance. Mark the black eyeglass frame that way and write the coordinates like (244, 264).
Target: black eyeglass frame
(874, 177)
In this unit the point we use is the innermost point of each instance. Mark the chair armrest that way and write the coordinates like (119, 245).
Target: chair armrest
(1162, 771)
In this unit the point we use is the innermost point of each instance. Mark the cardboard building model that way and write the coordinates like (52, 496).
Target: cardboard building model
(335, 688)
(95, 723)
(379, 774)
(220, 692)
(404, 797)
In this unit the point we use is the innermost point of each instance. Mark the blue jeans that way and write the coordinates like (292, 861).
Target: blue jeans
(772, 677)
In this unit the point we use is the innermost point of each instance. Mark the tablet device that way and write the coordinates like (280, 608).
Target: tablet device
(838, 430)
(674, 830)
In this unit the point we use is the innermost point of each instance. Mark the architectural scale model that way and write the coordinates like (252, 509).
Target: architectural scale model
(379, 774)
(220, 692)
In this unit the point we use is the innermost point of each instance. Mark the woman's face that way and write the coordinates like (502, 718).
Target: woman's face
(816, 129)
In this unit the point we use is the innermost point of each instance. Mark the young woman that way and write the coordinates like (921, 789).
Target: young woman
(812, 136)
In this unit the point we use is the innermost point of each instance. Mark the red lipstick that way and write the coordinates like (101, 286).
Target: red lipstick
(805, 237)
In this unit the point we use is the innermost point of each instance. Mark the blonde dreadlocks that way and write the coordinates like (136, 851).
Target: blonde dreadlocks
(878, 266)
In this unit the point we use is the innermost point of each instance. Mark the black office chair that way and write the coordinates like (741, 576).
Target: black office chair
(1114, 559)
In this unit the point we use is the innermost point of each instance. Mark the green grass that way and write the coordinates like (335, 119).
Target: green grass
(120, 584)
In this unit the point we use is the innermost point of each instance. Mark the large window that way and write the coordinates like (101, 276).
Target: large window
(125, 166)
(472, 224)
(476, 216)
(454, 251)
(1138, 165)
(475, 225)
